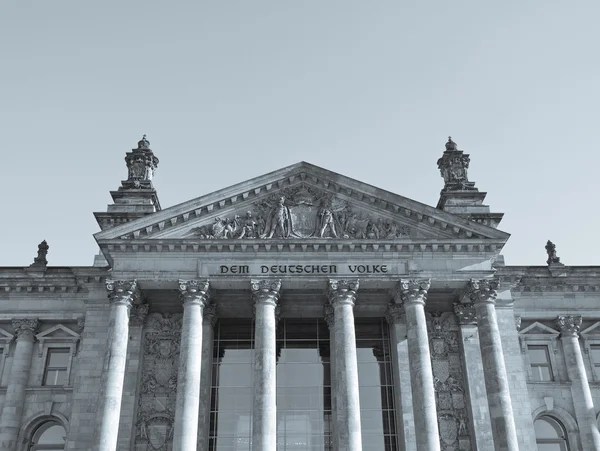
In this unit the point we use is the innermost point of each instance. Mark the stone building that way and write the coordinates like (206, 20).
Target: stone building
(299, 310)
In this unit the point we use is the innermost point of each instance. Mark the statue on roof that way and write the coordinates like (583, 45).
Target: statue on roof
(551, 250)
(42, 252)
(453, 166)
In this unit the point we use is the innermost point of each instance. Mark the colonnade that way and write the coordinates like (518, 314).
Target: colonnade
(407, 319)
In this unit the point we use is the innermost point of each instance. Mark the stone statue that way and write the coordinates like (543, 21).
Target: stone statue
(250, 228)
(42, 252)
(280, 222)
(325, 220)
(551, 250)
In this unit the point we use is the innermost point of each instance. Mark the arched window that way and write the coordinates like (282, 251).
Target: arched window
(50, 436)
(550, 435)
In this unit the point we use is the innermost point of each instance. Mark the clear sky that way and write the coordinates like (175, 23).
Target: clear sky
(228, 90)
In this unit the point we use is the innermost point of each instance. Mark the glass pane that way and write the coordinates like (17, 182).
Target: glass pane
(538, 354)
(58, 358)
(235, 375)
(54, 435)
(550, 447)
(545, 429)
(595, 350)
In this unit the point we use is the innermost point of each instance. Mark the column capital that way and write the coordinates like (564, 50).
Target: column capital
(123, 292)
(26, 327)
(194, 292)
(210, 314)
(328, 313)
(138, 314)
(395, 314)
(482, 290)
(265, 291)
(342, 291)
(465, 313)
(569, 325)
(412, 291)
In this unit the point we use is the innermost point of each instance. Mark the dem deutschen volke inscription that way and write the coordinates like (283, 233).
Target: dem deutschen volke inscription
(293, 269)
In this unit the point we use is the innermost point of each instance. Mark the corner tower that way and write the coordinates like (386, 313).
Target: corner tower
(459, 195)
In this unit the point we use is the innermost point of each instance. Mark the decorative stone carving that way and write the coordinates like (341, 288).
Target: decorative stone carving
(141, 164)
(518, 322)
(342, 291)
(195, 291)
(569, 325)
(210, 314)
(42, 252)
(483, 290)
(553, 259)
(302, 212)
(395, 314)
(156, 412)
(453, 166)
(26, 327)
(328, 313)
(465, 313)
(122, 291)
(412, 290)
(80, 324)
(138, 314)
(265, 290)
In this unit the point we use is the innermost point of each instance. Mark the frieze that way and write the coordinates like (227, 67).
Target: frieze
(302, 212)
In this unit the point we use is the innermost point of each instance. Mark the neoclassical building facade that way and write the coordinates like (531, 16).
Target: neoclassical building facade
(300, 310)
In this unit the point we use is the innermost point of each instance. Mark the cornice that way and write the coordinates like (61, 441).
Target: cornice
(301, 246)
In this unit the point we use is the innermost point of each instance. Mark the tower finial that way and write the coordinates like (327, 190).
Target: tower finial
(451, 145)
(143, 143)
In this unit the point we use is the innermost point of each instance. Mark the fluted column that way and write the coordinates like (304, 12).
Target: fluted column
(208, 327)
(121, 294)
(482, 293)
(12, 410)
(330, 320)
(194, 295)
(405, 424)
(580, 389)
(412, 294)
(265, 294)
(342, 296)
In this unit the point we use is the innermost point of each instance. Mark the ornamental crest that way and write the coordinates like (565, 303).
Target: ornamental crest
(301, 212)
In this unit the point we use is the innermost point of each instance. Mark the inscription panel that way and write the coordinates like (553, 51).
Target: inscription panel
(302, 268)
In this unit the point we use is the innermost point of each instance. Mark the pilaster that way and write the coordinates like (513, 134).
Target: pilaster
(580, 389)
(208, 326)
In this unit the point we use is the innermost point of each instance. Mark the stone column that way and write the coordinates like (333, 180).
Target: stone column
(483, 294)
(580, 389)
(405, 424)
(329, 319)
(121, 294)
(194, 295)
(265, 294)
(12, 410)
(412, 294)
(133, 370)
(342, 296)
(473, 368)
(208, 328)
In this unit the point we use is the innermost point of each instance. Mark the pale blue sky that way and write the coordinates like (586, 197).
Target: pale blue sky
(229, 90)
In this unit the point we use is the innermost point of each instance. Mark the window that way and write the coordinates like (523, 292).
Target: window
(539, 359)
(550, 435)
(595, 355)
(49, 436)
(57, 366)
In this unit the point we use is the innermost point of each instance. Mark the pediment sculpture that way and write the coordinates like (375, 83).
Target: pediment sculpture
(301, 212)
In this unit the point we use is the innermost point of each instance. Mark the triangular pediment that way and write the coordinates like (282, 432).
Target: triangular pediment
(58, 332)
(538, 328)
(594, 329)
(303, 202)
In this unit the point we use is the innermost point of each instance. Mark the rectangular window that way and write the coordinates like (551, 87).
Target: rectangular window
(539, 359)
(57, 365)
(595, 352)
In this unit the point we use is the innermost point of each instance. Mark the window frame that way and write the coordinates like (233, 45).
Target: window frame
(57, 337)
(538, 334)
(5, 341)
(47, 354)
(563, 441)
(45, 426)
(591, 337)
(532, 374)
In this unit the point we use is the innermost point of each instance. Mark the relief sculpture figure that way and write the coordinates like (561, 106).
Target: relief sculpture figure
(325, 220)
(280, 222)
